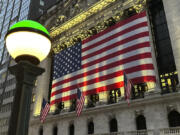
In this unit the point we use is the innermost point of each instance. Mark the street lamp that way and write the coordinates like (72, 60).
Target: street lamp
(28, 43)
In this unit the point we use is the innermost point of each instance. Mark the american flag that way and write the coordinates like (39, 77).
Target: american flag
(127, 87)
(97, 64)
(80, 102)
(44, 110)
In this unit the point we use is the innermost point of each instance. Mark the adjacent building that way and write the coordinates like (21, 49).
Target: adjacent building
(154, 107)
(12, 11)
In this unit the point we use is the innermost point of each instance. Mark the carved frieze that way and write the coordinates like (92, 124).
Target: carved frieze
(79, 19)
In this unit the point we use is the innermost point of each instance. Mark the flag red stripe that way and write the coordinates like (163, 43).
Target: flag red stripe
(115, 26)
(143, 79)
(80, 104)
(44, 112)
(114, 64)
(105, 88)
(85, 83)
(89, 92)
(128, 49)
(139, 67)
(140, 25)
(126, 60)
(103, 49)
(105, 77)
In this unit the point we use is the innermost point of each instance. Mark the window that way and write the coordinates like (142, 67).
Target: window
(140, 122)
(41, 2)
(139, 90)
(41, 131)
(73, 105)
(55, 130)
(59, 107)
(91, 127)
(71, 129)
(174, 119)
(113, 95)
(41, 11)
(92, 99)
(113, 125)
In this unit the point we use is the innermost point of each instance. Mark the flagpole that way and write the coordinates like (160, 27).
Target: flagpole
(129, 79)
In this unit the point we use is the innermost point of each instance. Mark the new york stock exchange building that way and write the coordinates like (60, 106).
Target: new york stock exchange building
(95, 43)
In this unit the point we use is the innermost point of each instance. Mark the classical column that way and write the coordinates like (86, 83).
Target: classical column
(101, 124)
(172, 10)
(153, 85)
(42, 85)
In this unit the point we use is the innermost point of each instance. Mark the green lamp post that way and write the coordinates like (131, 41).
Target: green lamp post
(28, 43)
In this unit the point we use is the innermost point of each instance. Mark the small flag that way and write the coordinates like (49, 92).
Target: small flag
(80, 102)
(127, 87)
(44, 110)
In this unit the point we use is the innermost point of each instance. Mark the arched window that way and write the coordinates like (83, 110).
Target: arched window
(140, 122)
(174, 119)
(41, 131)
(55, 130)
(113, 125)
(71, 129)
(91, 127)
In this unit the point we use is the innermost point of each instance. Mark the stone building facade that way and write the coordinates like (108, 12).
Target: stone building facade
(154, 108)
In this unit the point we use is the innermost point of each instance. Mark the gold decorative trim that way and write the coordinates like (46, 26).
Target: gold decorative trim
(81, 17)
(97, 23)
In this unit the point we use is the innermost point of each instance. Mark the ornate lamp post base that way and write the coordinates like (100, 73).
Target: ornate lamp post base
(25, 74)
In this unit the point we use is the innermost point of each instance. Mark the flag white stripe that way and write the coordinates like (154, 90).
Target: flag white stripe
(105, 83)
(114, 40)
(91, 86)
(121, 47)
(111, 70)
(80, 104)
(129, 63)
(117, 58)
(140, 40)
(103, 63)
(44, 112)
(121, 28)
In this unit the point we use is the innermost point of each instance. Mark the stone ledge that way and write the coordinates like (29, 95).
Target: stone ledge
(152, 99)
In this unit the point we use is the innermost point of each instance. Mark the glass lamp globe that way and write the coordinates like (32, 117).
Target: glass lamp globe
(28, 40)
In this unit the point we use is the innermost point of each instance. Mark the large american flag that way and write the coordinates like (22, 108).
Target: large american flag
(79, 102)
(97, 64)
(44, 110)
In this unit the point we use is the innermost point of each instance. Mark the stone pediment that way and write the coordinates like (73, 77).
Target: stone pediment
(74, 20)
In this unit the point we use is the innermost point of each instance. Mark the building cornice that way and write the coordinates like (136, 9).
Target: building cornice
(97, 7)
(66, 32)
(153, 98)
